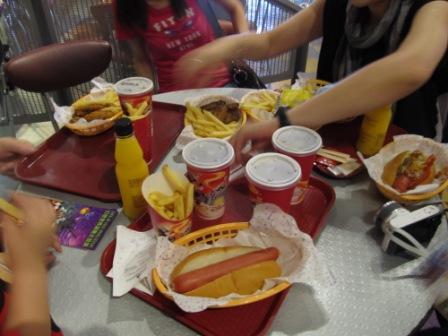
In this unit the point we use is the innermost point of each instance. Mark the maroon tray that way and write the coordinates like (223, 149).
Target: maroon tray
(342, 137)
(86, 165)
(254, 318)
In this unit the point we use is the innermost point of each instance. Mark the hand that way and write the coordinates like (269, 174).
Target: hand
(27, 243)
(258, 134)
(11, 151)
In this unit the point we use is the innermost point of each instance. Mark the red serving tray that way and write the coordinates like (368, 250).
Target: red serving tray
(86, 165)
(342, 137)
(254, 318)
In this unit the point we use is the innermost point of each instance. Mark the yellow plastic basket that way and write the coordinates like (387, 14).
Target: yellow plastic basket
(414, 198)
(209, 235)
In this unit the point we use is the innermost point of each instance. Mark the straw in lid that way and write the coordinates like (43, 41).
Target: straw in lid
(134, 86)
(273, 170)
(296, 140)
(208, 154)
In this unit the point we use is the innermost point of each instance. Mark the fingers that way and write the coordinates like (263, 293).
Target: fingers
(14, 147)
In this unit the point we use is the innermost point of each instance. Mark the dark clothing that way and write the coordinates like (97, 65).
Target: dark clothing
(416, 113)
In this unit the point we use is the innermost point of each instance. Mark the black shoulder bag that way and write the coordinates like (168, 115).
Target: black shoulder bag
(242, 74)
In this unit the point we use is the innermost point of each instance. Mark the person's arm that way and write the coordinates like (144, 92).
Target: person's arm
(300, 29)
(140, 59)
(236, 11)
(26, 244)
(377, 85)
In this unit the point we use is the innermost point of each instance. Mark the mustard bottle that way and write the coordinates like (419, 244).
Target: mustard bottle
(373, 131)
(130, 169)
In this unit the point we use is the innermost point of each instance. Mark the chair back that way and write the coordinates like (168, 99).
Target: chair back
(58, 66)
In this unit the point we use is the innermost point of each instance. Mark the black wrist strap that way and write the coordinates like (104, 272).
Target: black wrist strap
(282, 117)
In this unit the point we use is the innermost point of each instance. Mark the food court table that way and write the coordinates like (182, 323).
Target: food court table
(359, 303)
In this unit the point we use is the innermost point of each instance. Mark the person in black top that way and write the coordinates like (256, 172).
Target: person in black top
(380, 52)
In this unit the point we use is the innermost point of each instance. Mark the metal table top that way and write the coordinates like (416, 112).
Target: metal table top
(359, 303)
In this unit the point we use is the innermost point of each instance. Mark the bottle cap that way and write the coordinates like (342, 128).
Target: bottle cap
(123, 127)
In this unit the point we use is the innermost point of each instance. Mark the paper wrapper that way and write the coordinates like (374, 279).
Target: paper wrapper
(401, 143)
(299, 259)
(187, 135)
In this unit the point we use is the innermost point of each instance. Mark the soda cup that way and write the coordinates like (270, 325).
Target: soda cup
(301, 144)
(272, 178)
(208, 168)
(135, 95)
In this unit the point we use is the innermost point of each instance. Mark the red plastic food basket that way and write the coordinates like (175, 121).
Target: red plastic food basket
(254, 318)
(86, 165)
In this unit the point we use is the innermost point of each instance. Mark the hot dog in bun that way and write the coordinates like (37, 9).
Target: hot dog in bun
(409, 169)
(219, 271)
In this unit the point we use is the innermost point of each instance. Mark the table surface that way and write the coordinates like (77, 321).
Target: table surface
(359, 303)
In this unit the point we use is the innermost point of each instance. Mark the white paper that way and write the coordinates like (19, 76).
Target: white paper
(401, 143)
(132, 261)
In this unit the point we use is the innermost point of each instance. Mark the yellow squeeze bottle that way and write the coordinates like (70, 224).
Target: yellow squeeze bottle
(373, 131)
(131, 169)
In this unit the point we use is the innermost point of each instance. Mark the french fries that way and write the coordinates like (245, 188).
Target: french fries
(137, 110)
(206, 125)
(177, 206)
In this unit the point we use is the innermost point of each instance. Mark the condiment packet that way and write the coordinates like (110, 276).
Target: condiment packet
(132, 262)
(299, 259)
(401, 143)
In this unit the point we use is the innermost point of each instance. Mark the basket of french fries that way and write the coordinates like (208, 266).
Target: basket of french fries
(93, 113)
(170, 198)
(260, 104)
(214, 116)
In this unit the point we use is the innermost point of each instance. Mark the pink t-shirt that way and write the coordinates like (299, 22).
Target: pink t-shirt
(168, 39)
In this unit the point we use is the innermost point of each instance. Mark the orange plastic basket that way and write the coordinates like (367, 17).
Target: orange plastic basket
(209, 235)
(96, 129)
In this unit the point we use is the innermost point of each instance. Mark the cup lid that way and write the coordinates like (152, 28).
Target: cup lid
(134, 86)
(273, 170)
(208, 153)
(296, 140)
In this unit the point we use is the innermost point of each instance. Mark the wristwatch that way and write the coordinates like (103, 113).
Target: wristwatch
(282, 117)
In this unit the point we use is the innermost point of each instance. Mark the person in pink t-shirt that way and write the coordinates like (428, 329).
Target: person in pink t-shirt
(159, 32)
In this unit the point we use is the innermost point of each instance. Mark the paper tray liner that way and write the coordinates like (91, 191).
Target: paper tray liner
(254, 318)
(86, 165)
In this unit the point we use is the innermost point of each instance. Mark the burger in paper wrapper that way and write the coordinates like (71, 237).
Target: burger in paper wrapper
(410, 169)
(214, 116)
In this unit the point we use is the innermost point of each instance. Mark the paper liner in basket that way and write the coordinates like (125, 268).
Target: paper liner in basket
(401, 143)
(299, 259)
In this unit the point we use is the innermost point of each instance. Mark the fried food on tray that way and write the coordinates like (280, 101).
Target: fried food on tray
(218, 119)
(409, 169)
(223, 111)
(96, 106)
(260, 104)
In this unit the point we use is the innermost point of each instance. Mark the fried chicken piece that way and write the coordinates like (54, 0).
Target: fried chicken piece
(223, 111)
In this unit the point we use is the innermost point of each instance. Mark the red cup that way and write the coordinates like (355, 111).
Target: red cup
(173, 229)
(301, 144)
(272, 178)
(135, 95)
(208, 168)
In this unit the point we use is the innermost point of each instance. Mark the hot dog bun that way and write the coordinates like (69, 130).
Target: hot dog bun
(220, 271)
(391, 168)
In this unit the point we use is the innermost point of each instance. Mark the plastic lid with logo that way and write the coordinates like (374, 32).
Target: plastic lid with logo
(134, 86)
(208, 154)
(296, 140)
(273, 171)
